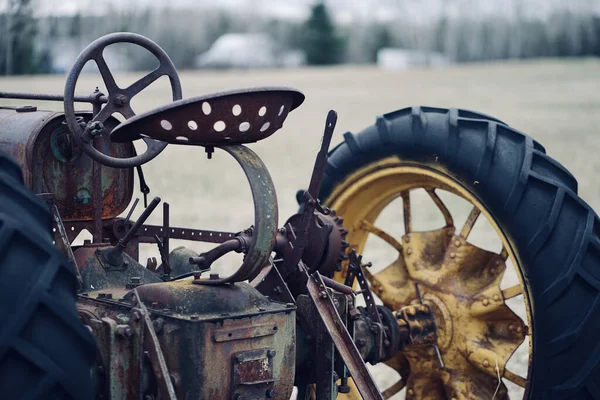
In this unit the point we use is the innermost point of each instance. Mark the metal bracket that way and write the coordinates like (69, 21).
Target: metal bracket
(151, 345)
(65, 244)
(341, 338)
(355, 271)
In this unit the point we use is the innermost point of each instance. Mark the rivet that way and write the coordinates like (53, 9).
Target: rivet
(498, 262)
(511, 327)
(486, 302)
(271, 353)
(411, 392)
(496, 297)
(457, 243)
(519, 329)
(486, 363)
(407, 238)
(409, 251)
(452, 255)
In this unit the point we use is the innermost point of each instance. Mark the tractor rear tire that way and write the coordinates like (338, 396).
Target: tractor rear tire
(533, 199)
(45, 351)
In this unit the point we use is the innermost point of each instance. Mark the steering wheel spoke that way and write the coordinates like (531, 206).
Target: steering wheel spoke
(107, 76)
(144, 82)
(126, 111)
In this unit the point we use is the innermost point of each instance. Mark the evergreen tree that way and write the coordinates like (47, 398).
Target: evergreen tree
(320, 40)
(17, 50)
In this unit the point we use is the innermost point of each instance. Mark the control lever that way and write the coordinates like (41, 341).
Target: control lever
(114, 255)
(164, 256)
(144, 188)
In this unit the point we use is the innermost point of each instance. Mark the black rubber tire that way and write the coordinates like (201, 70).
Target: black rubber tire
(534, 200)
(45, 351)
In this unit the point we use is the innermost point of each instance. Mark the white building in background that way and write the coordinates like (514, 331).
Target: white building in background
(395, 58)
(249, 50)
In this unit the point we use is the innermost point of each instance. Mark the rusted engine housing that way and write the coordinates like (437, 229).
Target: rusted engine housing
(221, 342)
(38, 141)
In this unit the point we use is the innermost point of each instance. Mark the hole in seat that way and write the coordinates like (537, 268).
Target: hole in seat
(166, 125)
(206, 109)
(244, 126)
(219, 126)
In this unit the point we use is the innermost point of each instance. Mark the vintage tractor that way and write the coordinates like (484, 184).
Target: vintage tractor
(302, 310)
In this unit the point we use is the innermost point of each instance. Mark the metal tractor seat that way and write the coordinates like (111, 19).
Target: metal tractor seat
(219, 119)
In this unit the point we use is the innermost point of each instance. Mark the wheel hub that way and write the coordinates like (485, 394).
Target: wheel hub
(462, 332)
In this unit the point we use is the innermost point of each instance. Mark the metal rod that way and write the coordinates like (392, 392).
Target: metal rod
(166, 225)
(53, 97)
(337, 286)
(138, 224)
(97, 196)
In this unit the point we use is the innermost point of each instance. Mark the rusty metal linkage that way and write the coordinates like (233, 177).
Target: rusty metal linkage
(341, 338)
(152, 346)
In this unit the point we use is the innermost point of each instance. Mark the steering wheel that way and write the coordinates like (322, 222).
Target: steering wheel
(118, 100)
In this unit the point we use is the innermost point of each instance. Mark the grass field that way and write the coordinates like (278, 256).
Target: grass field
(556, 102)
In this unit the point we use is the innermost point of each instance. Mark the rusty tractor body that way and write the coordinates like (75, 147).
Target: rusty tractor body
(172, 329)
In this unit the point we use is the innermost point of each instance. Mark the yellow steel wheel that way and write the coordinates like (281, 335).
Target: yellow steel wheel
(547, 237)
(460, 282)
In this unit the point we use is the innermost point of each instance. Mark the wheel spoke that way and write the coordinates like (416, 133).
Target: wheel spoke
(514, 378)
(107, 76)
(469, 223)
(395, 388)
(512, 291)
(407, 216)
(440, 204)
(369, 227)
(504, 254)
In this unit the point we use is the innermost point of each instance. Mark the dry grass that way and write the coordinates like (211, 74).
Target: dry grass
(556, 102)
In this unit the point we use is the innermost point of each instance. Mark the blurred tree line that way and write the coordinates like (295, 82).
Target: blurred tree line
(27, 43)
